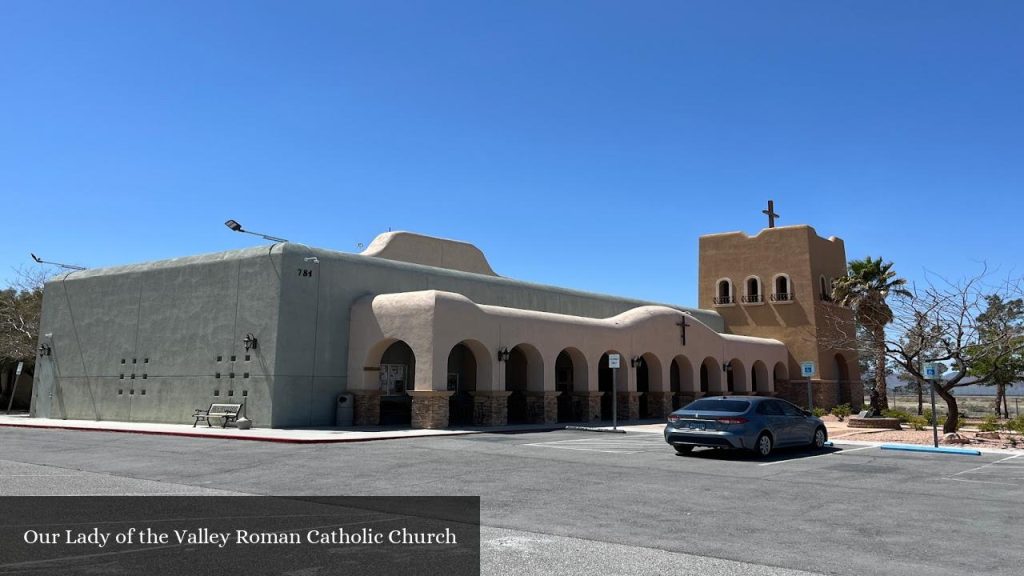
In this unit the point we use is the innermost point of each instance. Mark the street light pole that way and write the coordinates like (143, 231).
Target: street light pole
(236, 227)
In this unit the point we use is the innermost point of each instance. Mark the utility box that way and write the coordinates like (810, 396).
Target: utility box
(345, 411)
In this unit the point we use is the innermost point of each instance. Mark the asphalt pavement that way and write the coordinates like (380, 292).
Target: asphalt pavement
(573, 502)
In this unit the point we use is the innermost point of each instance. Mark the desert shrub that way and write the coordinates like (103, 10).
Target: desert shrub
(841, 411)
(1017, 424)
(902, 415)
(819, 412)
(919, 422)
(990, 424)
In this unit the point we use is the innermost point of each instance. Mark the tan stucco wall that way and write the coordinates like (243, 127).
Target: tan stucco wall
(429, 251)
(802, 324)
(432, 322)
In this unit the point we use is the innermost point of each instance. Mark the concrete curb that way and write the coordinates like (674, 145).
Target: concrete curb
(942, 450)
(278, 439)
(590, 429)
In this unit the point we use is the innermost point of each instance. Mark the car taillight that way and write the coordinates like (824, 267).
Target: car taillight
(732, 420)
(674, 417)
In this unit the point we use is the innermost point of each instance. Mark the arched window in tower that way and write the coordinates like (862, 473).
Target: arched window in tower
(783, 292)
(724, 292)
(752, 293)
(826, 291)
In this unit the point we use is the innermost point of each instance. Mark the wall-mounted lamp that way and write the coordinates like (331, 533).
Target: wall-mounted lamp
(727, 367)
(45, 350)
(636, 361)
(312, 259)
(504, 354)
(250, 342)
(236, 227)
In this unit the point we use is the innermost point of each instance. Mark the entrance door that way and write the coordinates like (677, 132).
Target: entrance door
(395, 404)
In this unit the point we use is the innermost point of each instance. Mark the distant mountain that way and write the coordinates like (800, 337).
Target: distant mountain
(892, 382)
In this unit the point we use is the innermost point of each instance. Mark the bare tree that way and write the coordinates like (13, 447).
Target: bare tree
(940, 322)
(21, 304)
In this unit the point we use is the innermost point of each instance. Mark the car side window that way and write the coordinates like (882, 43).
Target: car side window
(791, 410)
(770, 408)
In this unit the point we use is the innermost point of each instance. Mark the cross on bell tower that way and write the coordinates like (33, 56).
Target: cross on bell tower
(770, 212)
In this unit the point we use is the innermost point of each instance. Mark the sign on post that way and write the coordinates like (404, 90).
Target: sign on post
(14, 386)
(613, 360)
(933, 370)
(807, 369)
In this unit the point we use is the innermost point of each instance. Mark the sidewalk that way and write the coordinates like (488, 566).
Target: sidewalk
(287, 435)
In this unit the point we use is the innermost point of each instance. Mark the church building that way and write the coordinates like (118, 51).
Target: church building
(420, 331)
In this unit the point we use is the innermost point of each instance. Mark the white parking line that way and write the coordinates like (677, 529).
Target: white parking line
(818, 456)
(985, 466)
(606, 445)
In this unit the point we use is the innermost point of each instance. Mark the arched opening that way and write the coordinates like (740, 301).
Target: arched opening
(648, 378)
(840, 369)
(779, 375)
(735, 377)
(463, 375)
(680, 380)
(753, 290)
(826, 292)
(759, 378)
(604, 382)
(842, 372)
(782, 289)
(724, 291)
(524, 370)
(517, 381)
(396, 378)
(710, 376)
(570, 376)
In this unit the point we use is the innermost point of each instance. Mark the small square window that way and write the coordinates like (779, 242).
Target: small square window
(232, 358)
(216, 392)
(120, 391)
(133, 376)
(247, 358)
(122, 360)
(143, 391)
(245, 392)
(231, 392)
(135, 360)
(219, 358)
(245, 375)
(131, 392)
(144, 376)
(122, 377)
(231, 375)
(145, 360)
(217, 375)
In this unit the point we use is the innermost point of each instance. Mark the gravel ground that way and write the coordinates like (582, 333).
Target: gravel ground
(840, 431)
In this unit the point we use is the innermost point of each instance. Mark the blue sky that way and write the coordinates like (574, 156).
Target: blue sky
(584, 144)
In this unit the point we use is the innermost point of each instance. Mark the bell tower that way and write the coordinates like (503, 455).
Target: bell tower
(777, 284)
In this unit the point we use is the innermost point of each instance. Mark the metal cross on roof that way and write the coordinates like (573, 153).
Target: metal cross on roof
(682, 329)
(770, 212)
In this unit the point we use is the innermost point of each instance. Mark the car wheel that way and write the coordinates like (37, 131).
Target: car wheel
(763, 446)
(683, 450)
(820, 436)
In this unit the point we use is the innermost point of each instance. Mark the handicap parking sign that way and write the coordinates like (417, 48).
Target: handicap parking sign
(807, 369)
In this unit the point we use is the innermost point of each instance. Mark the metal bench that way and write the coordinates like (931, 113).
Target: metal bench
(226, 412)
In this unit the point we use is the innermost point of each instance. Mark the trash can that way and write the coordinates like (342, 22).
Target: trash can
(345, 411)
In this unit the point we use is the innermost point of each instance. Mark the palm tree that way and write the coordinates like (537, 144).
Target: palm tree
(865, 290)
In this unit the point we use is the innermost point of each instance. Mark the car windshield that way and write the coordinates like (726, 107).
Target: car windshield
(710, 405)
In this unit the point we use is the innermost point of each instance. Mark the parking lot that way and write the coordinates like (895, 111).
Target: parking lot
(575, 502)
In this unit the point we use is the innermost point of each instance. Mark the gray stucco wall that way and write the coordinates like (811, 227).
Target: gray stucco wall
(168, 321)
(182, 314)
